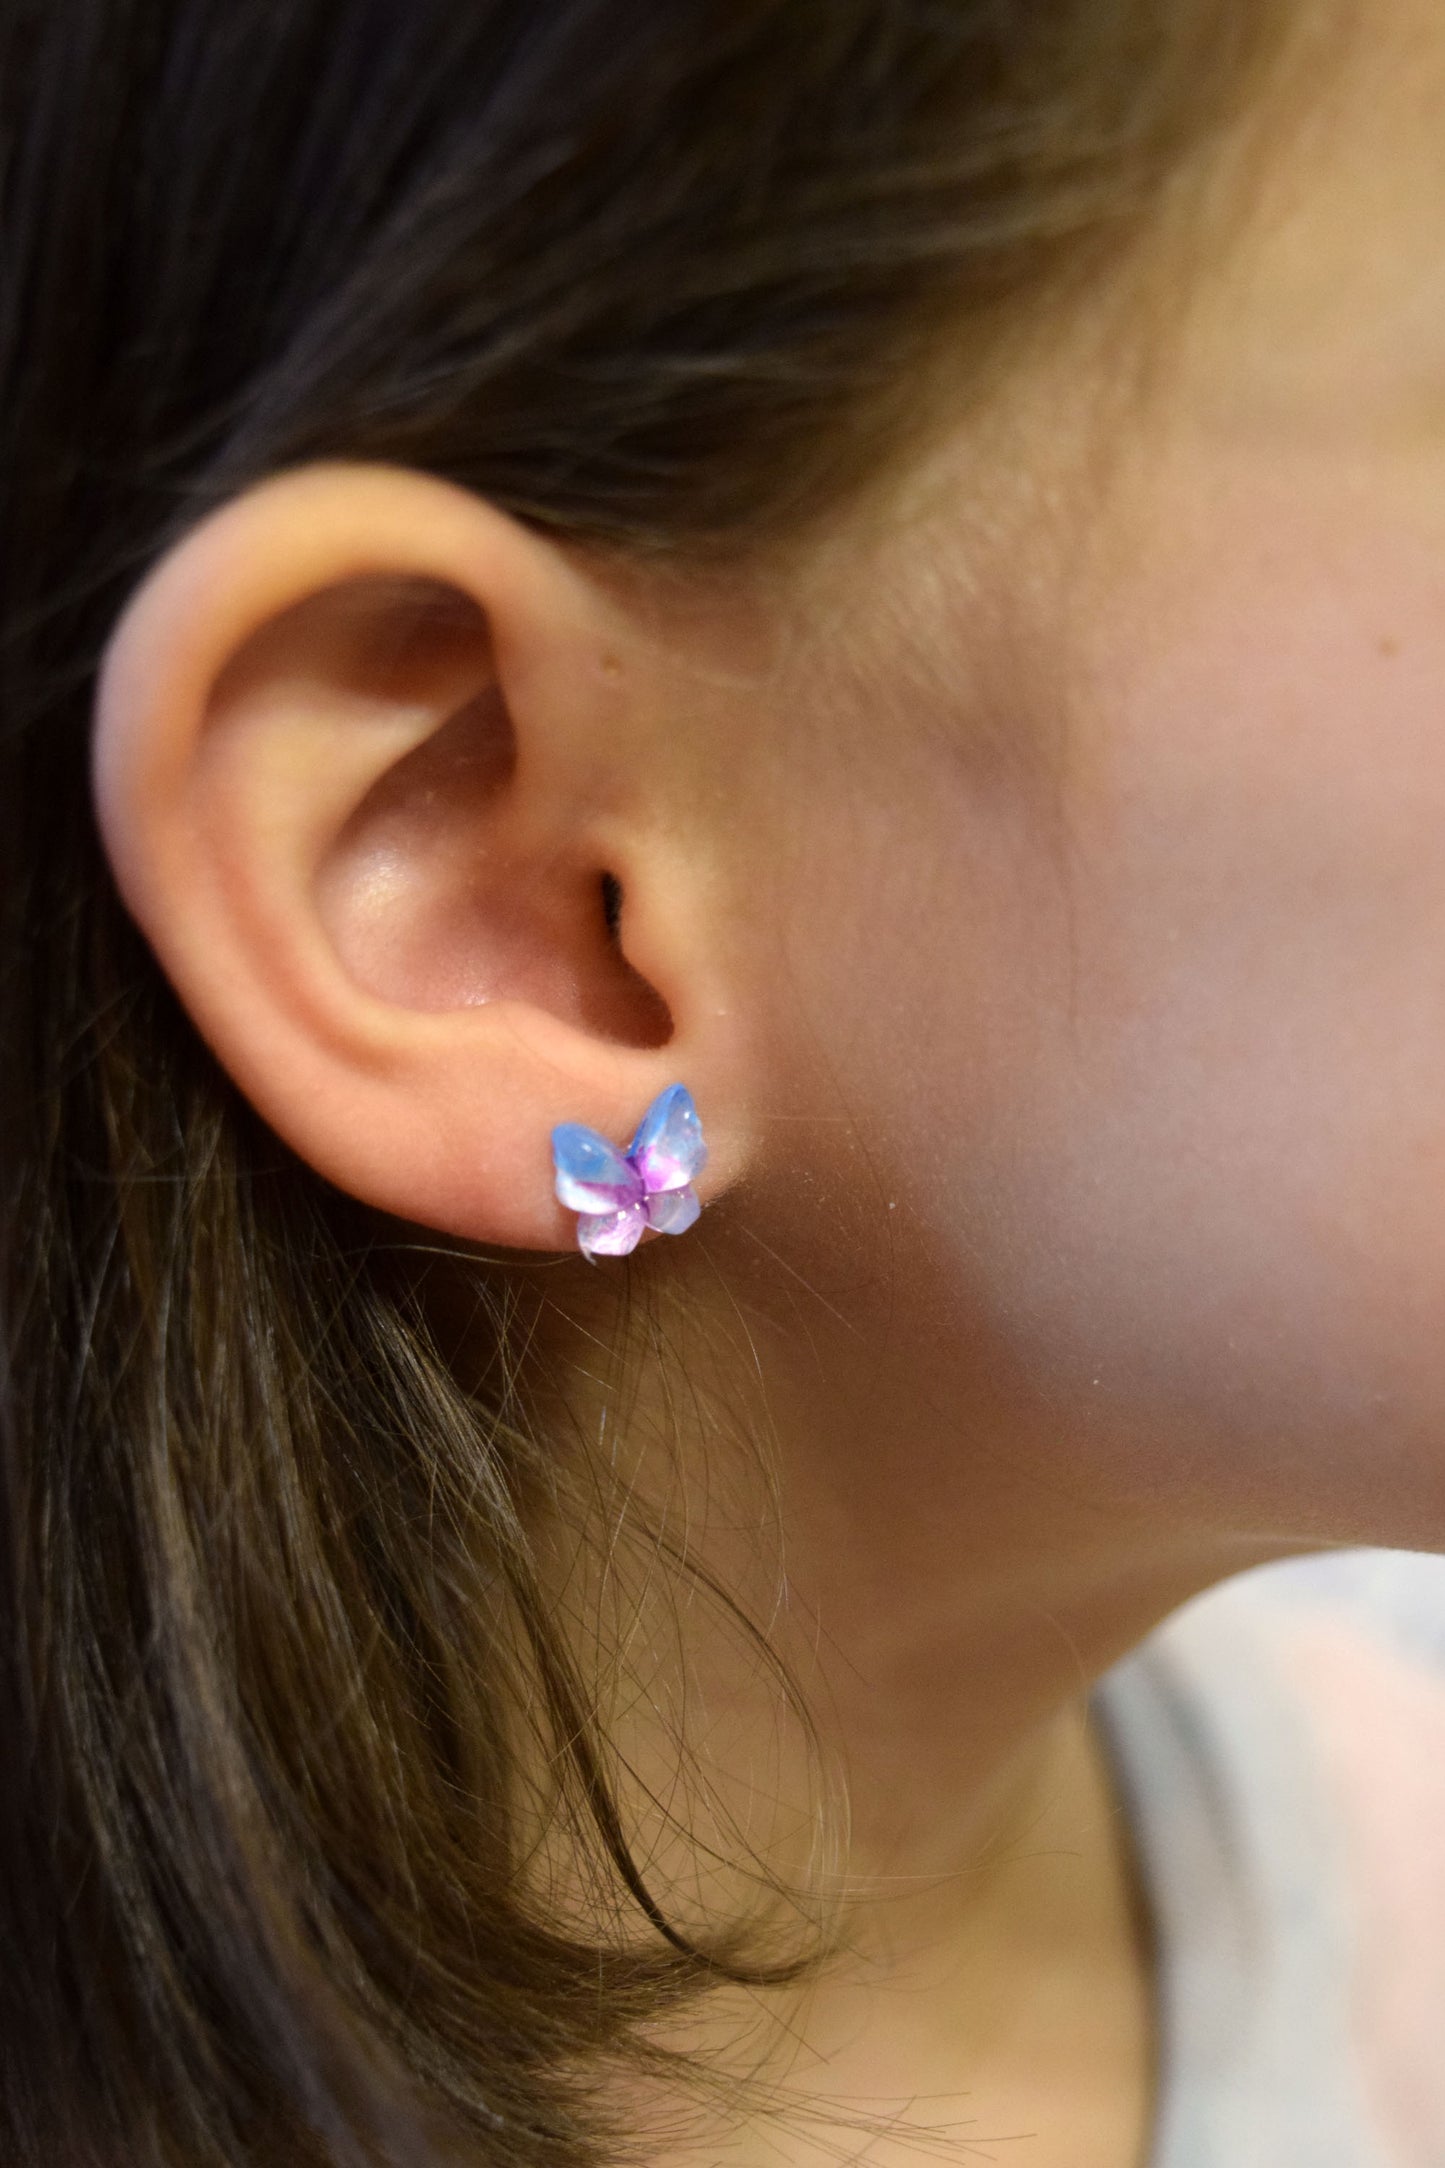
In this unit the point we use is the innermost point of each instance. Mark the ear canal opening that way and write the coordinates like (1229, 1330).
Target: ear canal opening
(612, 908)
(649, 1019)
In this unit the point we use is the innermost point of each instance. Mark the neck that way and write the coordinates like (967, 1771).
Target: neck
(943, 1610)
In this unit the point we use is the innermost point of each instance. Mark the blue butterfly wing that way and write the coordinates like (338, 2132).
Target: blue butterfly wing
(672, 1211)
(592, 1175)
(668, 1149)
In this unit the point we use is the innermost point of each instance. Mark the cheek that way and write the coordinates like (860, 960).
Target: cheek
(1229, 1160)
(1153, 1067)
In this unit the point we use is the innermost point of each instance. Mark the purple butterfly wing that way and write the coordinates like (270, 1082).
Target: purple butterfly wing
(592, 1175)
(668, 1149)
(612, 1234)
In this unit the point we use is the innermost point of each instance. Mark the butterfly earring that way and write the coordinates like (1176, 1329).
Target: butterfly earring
(621, 1194)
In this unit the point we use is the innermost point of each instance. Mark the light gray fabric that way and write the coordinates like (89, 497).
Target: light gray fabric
(1247, 1866)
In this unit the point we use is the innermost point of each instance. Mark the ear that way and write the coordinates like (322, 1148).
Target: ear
(384, 781)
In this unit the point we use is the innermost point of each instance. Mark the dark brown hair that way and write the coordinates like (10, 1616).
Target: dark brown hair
(660, 276)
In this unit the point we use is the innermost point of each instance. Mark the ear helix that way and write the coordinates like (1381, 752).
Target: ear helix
(622, 1195)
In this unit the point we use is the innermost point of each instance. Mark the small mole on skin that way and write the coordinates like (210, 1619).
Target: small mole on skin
(1388, 644)
(611, 667)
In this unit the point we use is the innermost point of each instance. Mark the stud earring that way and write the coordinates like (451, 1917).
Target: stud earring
(621, 1194)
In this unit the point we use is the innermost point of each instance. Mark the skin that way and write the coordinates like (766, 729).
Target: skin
(1047, 897)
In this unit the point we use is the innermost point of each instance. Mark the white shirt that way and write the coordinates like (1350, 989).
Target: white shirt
(1280, 1748)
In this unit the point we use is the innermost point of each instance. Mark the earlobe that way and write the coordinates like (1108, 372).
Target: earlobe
(372, 783)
